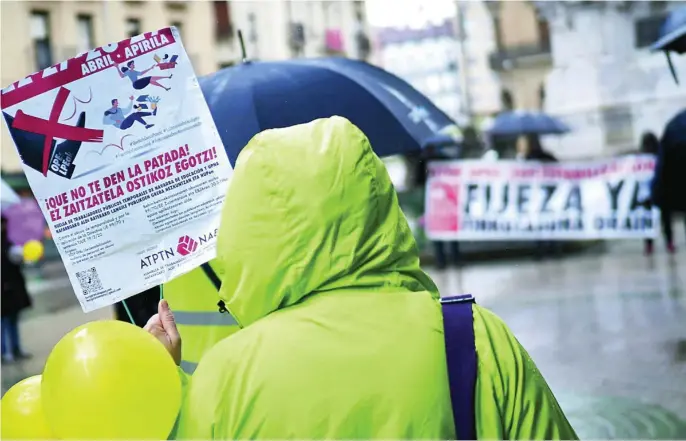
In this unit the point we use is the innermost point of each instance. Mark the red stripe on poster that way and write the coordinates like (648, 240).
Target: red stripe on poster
(89, 63)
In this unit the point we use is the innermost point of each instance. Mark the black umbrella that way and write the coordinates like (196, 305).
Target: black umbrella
(521, 122)
(255, 96)
(672, 37)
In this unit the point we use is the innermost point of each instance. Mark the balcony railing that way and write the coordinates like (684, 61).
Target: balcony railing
(536, 54)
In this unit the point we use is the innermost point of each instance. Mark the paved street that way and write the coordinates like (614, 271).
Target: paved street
(607, 328)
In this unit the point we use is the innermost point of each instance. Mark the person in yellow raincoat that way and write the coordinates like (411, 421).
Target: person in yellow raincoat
(342, 333)
(199, 322)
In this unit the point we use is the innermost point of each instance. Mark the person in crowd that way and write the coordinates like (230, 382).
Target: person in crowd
(669, 181)
(142, 306)
(433, 153)
(529, 148)
(342, 332)
(15, 298)
(200, 324)
(649, 146)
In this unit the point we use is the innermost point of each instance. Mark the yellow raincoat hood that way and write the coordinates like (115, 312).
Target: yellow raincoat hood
(343, 333)
(299, 220)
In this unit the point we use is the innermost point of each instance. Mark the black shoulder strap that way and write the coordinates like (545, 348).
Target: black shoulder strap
(209, 272)
(460, 351)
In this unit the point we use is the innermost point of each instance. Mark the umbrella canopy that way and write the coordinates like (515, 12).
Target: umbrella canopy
(672, 36)
(448, 136)
(521, 122)
(670, 179)
(673, 33)
(255, 96)
(8, 196)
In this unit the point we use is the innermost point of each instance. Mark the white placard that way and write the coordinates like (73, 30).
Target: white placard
(122, 154)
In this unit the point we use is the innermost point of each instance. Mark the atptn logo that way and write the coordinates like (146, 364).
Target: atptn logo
(186, 246)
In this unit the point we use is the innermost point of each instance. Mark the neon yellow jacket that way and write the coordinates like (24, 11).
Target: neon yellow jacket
(342, 332)
(193, 298)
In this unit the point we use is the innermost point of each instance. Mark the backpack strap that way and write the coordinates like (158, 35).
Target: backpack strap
(209, 272)
(460, 351)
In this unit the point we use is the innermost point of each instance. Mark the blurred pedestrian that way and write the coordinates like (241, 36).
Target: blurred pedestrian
(433, 153)
(342, 332)
(529, 148)
(649, 146)
(15, 298)
(142, 306)
(669, 181)
(441, 256)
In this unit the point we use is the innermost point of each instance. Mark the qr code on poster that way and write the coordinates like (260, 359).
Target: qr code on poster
(89, 281)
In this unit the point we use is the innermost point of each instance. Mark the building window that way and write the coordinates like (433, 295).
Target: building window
(359, 11)
(179, 26)
(658, 6)
(133, 27)
(364, 46)
(647, 30)
(40, 34)
(618, 125)
(222, 16)
(498, 33)
(507, 100)
(84, 24)
(543, 34)
(541, 96)
(297, 38)
(252, 26)
(176, 5)
(333, 41)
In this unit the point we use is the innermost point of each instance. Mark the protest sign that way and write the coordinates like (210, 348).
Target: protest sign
(511, 200)
(123, 156)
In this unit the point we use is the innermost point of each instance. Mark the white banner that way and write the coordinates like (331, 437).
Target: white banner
(124, 159)
(512, 200)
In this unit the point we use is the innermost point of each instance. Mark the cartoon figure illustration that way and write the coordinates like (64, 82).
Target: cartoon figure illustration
(137, 80)
(165, 62)
(123, 119)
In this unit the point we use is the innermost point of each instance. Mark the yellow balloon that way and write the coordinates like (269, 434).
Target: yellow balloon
(22, 412)
(33, 251)
(110, 380)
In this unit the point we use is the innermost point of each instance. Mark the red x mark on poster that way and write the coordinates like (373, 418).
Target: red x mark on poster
(52, 129)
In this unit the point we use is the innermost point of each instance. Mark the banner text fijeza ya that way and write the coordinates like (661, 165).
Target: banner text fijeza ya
(510, 200)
